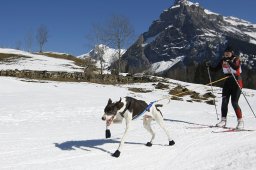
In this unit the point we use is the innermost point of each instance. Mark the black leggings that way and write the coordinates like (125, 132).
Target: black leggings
(230, 88)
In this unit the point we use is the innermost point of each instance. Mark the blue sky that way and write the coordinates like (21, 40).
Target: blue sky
(69, 21)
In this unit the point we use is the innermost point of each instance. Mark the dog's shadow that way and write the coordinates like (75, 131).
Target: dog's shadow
(85, 144)
(94, 144)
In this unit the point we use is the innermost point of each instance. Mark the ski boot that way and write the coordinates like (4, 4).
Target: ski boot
(240, 124)
(222, 123)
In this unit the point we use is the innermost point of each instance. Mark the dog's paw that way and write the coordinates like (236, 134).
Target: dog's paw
(108, 133)
(149, 144)
(171, 142)
(116, 154)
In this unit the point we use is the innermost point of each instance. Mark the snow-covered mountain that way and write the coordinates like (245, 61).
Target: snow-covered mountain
(187, 29)
(107, 54)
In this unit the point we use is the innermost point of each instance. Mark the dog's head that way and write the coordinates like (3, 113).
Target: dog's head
(111, 110)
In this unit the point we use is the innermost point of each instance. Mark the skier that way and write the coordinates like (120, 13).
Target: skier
(230, 63)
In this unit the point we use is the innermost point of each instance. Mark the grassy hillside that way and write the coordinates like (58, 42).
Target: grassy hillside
(10, 57)
(78, 61)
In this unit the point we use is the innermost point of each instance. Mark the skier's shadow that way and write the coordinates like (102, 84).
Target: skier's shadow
(85, 144)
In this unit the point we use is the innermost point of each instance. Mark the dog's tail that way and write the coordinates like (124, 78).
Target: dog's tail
(159, 105)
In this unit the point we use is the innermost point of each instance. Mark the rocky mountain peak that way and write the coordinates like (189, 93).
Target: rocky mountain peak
(184, 37)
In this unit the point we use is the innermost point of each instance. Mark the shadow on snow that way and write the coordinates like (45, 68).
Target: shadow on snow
(94, 144)
(83, 144)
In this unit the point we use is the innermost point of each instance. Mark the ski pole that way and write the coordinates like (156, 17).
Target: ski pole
(212, 92)
(240, 89)
(217, 80)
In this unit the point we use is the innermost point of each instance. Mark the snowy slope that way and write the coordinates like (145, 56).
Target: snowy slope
(57, 125)
(239, 22)
(161, 66)
(31, 61)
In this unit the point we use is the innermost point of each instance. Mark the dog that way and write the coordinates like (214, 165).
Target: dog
(128, 108)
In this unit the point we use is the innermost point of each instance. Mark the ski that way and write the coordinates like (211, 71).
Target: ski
(200, 127)
(233, 130)
(224, 129)
(205, 126)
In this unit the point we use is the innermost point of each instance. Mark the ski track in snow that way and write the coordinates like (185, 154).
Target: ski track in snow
(57, 125)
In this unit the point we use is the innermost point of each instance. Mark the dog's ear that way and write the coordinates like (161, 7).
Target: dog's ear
(119, 100)
(109, 101)
(119, 105)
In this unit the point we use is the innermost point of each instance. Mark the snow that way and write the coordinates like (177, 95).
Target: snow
(252, 41)
(189, 3)
(208, 33)
(174, 6)
(150, 39)
(169, 26)
(58, 53)
(210, 12)
(251, 34)
(57, 125)
(30, 61)
(110, 55)
(236, 21)
(161, 66)
(231, 29)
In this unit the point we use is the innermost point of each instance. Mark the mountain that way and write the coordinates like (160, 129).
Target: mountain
(109, 55)
(184, 37)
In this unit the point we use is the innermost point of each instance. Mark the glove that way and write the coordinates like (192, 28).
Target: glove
(226, 59)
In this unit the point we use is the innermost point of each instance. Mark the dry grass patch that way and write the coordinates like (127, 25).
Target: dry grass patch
(78, 61)
(139, 90)
(8, 58)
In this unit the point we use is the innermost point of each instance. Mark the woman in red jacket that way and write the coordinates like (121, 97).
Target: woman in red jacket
(230, 64)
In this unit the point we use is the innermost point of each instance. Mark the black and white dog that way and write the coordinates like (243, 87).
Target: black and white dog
(128, 108)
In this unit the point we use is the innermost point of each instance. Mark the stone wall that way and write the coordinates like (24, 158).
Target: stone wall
(76, 76)
(73, 76)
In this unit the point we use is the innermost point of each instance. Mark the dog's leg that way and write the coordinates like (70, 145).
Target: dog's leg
(128, 121)
(107, 132)
(159, 119)
(147, 125)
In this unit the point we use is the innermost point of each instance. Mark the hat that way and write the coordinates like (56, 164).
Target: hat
(229, 48)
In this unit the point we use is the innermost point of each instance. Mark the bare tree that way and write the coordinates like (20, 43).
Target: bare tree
(119, 32)
(29, 41)
(42, 36)
(18, 45)
(100, 52)
(96, 37)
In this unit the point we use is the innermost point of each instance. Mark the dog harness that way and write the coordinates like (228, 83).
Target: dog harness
(147, 109)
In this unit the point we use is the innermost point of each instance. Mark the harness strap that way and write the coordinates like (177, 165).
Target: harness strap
(147, 109)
